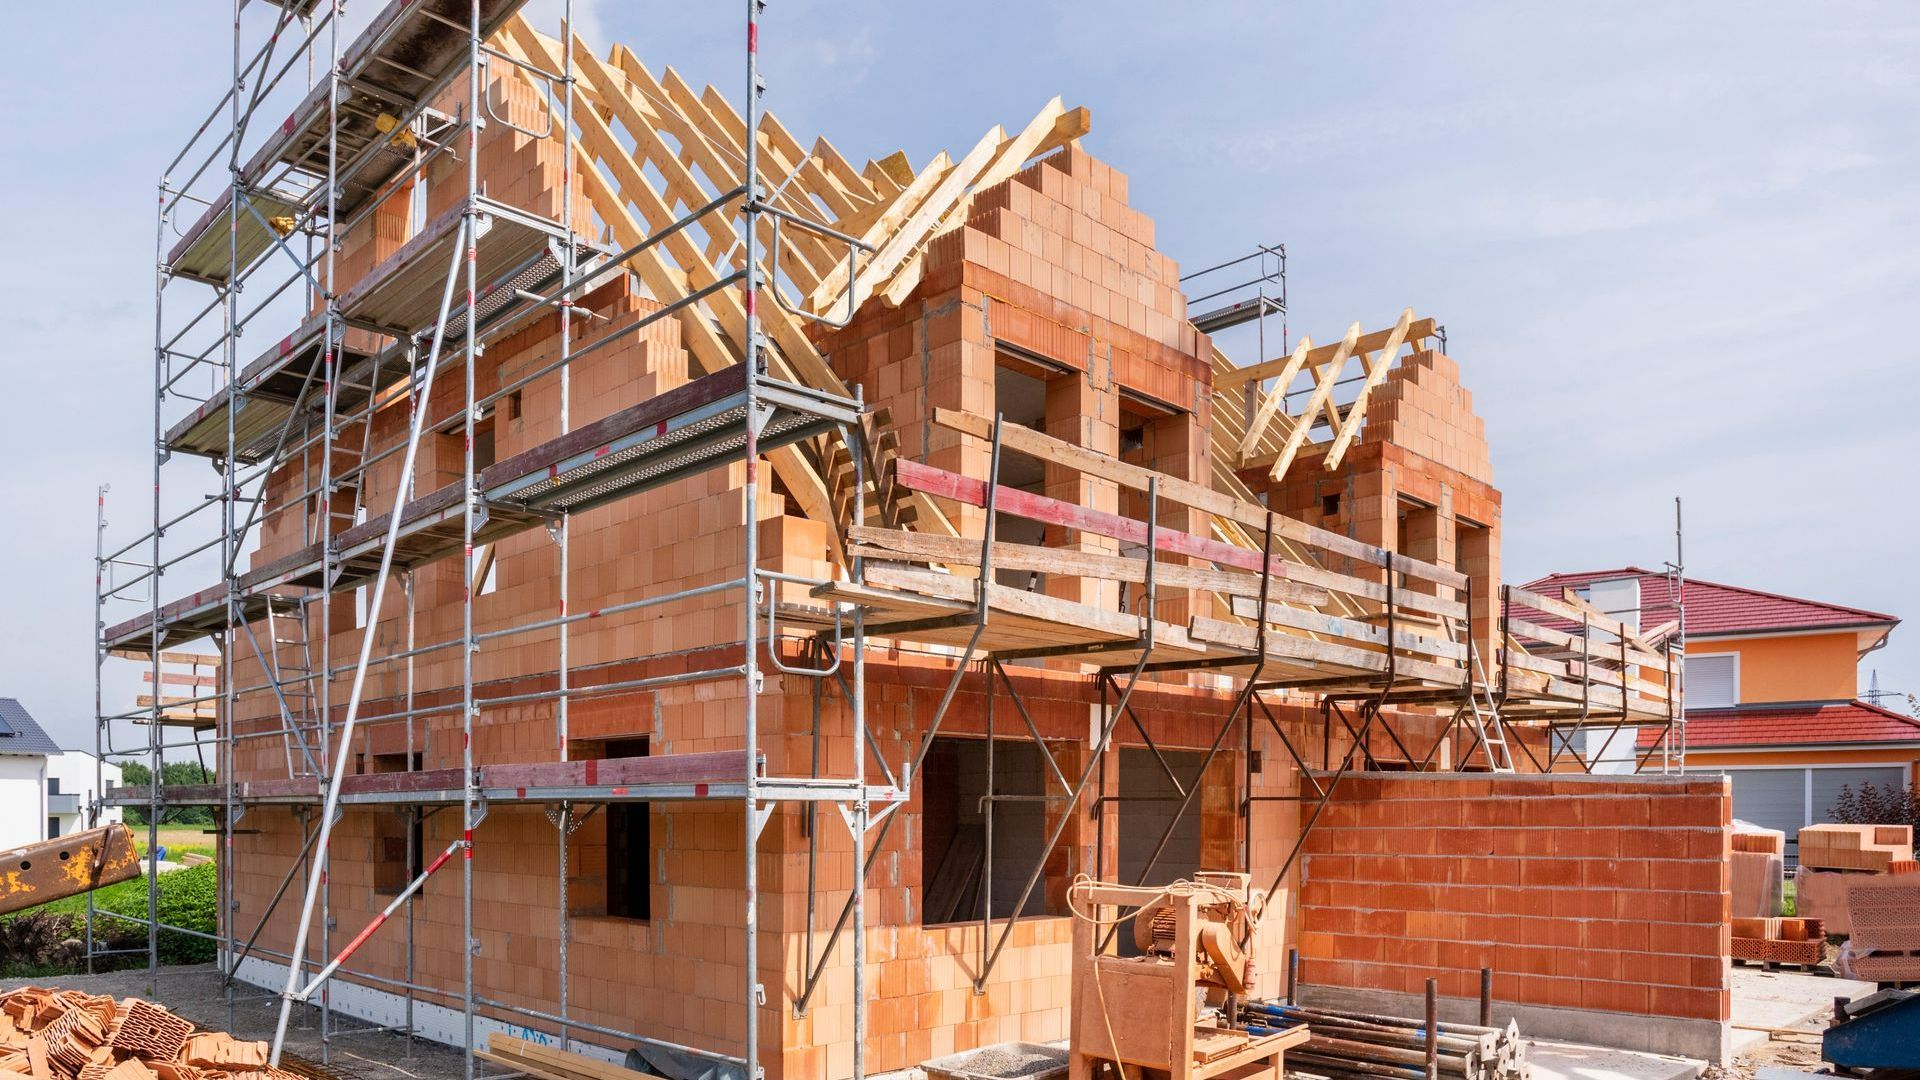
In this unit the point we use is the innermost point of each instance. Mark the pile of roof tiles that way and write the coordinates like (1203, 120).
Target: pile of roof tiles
(71, 1035)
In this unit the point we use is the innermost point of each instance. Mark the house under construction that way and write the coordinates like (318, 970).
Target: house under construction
(669, 585)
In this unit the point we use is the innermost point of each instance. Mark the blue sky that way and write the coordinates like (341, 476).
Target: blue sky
(1674, 245)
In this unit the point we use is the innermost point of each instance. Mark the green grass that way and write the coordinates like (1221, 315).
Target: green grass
(1787, 905)
(178, 840)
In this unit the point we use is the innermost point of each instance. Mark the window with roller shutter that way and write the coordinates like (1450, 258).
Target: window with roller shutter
(1712, 681)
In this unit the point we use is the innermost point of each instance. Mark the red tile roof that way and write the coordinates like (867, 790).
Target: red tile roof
(1713, 608)
(1794, 725)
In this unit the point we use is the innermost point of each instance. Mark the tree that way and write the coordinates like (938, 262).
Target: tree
(1877, 804)
(134, 774)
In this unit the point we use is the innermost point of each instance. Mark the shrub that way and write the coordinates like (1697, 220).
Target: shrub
(1877, 804)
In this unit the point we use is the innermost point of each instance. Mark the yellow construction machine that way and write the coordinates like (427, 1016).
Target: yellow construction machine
(65, 866)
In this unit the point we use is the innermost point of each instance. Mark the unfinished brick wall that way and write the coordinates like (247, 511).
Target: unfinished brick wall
(1601, 893)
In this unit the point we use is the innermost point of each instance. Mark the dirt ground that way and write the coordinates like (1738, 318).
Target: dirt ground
(195, 992)
(1792, 1050)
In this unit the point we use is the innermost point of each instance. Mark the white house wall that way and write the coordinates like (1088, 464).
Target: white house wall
(23, 799)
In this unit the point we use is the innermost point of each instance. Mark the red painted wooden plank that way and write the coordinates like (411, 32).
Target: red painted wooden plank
(935, 481)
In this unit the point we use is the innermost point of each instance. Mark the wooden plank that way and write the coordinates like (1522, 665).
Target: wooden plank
(1594, 650)
(833, 287)
(1081, 621)
(168, 656)
(1378, 364)
(1052, 127)
(561, 1061)
(1352, 631)
(1039, 619)
(898, 543)
(180, 678)
(965, 489)
(1576, 613)
(703, 342)
(1625, 632)
(1270, 404)
(1322, 394)
(1187, 493)
(1332, 654)
(1222, 380)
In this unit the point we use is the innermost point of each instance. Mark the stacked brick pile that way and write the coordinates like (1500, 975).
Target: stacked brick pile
(1875, 848)
(70, 1035)
(1885, 913)
(1834, 857)
(1795, 942)
(1759, 865)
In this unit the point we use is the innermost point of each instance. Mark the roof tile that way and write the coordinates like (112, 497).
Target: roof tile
(1713, 608)
(1794, 725)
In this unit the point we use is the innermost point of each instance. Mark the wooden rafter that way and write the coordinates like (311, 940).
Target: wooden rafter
(1378, 364)
(677, 266)
(1322, 394)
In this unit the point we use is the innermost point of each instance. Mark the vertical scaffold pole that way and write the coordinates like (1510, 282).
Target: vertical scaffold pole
(751, 504)
(569, 252)
(467, 643)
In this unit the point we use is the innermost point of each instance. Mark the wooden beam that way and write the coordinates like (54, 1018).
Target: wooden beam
(1378, 364)
(704, 344)
(708, 144)
(1421, 328)
(921, 222)
(1270, 404)
(1052, 128)
(1322, 394)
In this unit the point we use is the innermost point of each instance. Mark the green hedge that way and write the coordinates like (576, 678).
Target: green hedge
(189, 898)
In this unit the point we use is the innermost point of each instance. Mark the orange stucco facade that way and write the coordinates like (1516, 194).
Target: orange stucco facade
(1789, 667)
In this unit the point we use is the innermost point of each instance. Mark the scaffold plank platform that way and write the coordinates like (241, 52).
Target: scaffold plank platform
(683, 431)
(403, 293)
(710, 774)
(270, 388)
(203, 253)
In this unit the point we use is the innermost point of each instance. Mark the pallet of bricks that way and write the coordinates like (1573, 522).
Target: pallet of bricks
(1884, 910)
(70, 1035)
(1773, 942)
(1759, 871)
(1834, 857)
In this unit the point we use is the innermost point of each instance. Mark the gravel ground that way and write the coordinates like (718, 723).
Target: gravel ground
(195, 992)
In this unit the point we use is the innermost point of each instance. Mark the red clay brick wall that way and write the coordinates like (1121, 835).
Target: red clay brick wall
(1601, 893)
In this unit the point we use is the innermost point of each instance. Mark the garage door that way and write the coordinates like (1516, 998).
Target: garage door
(1828, 782)
(1771, 798)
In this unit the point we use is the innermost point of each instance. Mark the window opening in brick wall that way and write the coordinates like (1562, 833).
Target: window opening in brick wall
(954, 869)
(629, 845)
(398, 835)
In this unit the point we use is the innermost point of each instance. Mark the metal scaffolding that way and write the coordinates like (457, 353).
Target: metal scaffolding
(264, 239)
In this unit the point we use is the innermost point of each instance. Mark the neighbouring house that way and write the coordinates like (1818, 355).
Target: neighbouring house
(1772, 685)
(25, 815)
(74, 779)
(44, 790)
